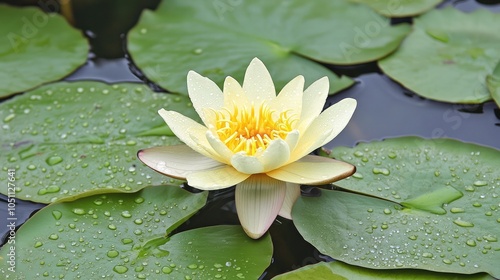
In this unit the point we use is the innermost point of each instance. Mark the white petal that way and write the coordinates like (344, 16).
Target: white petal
(175, 161)
(189, 132)
(204, 93)
(246, 164)
(274, 156)
(233, 93)
(220, 177)
(292, 194)
(258, 201)
(258, 84)
(325, 127)
(313, 170)
(292, 139)
(219, 146)
(313, 100)
(290, 98)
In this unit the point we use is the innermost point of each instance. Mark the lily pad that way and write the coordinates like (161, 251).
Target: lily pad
(342, 271)
(68, 140)
(448, 55)
(218, 38)
(423, 204)
(400, 8)
(36, 48)
(129, 236)
(493, 82)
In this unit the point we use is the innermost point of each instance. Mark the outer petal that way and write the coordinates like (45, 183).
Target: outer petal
(219, 146)
(204, 93)
(290, 98)
(313, 170)
(276, 155)
(258, 201)
(175, 161)
(258, 84)
(313, 100)
(220, 177)
(189, 132)
(292, 194)
(233, 93)
(325, 127)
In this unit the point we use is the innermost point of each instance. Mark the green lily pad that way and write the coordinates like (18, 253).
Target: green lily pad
(493, 83)
(36, 48)
(68, 140)
(128, 235)
(423, 204)
(400, 8)
(448, 55)
(342, 271)
(219, 38)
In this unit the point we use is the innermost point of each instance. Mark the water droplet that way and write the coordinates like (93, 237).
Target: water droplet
(198, 51)
(471, 243)
(477, 204)
(357, 175)
(127, 241)
(166, 270)
(490, 238)
(457, 210)
(387, 211)
(56, 214)
(38, 244)
(463, 223)
(447, 261)
(9, 117)
(112, 227)
(413, 237)
(120, 269)
(437, 173)
(480, 183)
(138, 221)
(53, 237)
(126, 214)
(78, 211)
(31, 167)
(392, 155)
(143, 31)
(139, 200)
(112, 253)
(54, 160)
(427, 255)
(193, 266)
(358, 154)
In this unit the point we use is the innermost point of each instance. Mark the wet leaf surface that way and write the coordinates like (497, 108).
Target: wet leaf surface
(218, 38)
(400, 8)
(341, 271)
(68, 140)
(448, 56)
(425, 204)
(493, 83)
(128, 235)
(36, 48)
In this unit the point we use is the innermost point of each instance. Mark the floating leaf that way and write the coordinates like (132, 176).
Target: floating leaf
(127, 235)
(493, 82)
(36, 48)
(341, 271)
(431, 204)
(448, 55)
(219, 38)
(75, 139)
(400, 8)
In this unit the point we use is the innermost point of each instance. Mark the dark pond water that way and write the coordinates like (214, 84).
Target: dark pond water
(385, 109)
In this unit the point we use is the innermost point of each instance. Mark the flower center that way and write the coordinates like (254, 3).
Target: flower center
(249, 130)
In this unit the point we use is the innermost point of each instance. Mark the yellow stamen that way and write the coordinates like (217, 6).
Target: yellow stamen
(250, 129)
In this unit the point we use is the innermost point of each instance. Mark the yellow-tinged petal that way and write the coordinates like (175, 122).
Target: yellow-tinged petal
(258, 202)
(219, 146)
(313, 170)
(276, 155)
(189, 132)
(204, 93)
(258, 84)
(289, 99)
(291, 196)
(176, 161)
(233, 93)
(313, 100)
(292, 139)
(325, 127)
(220, 177)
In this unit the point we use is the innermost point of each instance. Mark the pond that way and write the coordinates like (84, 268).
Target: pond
(385, 110)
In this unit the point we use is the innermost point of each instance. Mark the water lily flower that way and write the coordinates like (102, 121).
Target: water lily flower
(256, 140)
